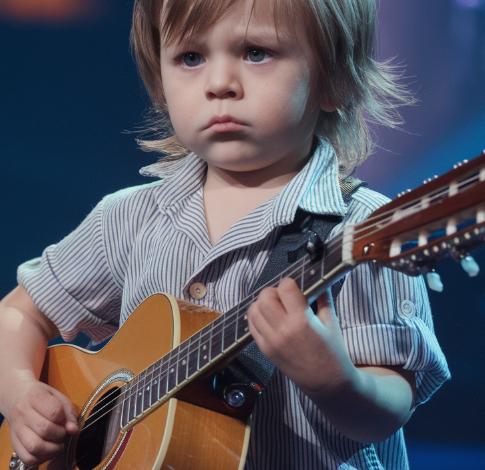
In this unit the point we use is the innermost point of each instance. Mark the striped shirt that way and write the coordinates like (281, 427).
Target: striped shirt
(153, 238)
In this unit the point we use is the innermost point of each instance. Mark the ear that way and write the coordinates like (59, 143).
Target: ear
(327, 106)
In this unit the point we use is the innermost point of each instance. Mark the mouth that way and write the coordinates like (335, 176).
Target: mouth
(225, 123)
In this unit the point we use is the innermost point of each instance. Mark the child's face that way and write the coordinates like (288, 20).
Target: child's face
(242, 96)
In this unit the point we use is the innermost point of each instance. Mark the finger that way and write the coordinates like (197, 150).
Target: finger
(261, 329)
(268, 309)
(56, 408)
(325, 301)
(32, 449)
(292, 297)
(326, 311)
(48, 430)
(256, 322)
(70, 413)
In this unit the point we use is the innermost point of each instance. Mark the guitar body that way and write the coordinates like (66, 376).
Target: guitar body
(177, 435)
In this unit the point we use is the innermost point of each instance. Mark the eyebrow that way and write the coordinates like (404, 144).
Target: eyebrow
(252, 34)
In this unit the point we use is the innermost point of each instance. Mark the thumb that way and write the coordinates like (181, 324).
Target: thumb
(326, 311)
(69, 412)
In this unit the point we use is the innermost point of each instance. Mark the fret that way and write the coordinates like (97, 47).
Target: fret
(216, 340)
(172, 369)
(204, 347)
(147, 402)
(242, 327)
(125, 412)
(312, 274)
(182, 365)
(324, 261)
(163, 377)
(132, 398)
(299, 279)
(295, 272)
(140, 393)
(302, 276)
(155, 387)
(194, 352)
(229, 332)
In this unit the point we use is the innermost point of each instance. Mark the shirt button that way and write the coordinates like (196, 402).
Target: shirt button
(198, 290)
(407, 309)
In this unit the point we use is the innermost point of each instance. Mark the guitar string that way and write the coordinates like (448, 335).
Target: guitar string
(164, 373)
(443, 191)
(332, 252)
(439, 193)
(406, 206)
(230, 319)
(295, 268)
(410, 205)
(333, 241)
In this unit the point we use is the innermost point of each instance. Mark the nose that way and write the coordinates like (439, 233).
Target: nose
(223, 81)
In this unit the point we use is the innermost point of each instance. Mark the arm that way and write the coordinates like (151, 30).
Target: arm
(367, 404)
(39, 416)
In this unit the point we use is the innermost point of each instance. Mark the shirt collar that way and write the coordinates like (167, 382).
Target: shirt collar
(322, 193)
(315, 189)
(182, 178)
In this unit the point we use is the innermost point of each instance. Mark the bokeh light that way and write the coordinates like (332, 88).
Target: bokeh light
(49, 10)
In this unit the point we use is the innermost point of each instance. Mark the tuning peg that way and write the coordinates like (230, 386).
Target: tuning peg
(470, 266)
(434, 281)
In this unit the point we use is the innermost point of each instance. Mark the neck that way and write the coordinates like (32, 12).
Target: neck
(229, 196)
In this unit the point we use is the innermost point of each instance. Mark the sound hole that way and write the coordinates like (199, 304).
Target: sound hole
(99, 432)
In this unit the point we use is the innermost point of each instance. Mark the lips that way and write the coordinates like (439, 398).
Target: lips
(225, 123)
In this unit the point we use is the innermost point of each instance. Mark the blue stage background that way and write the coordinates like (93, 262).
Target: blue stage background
(70, 98)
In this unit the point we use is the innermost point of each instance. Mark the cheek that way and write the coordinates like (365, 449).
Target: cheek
(299, 99)
(180, 110)
(291, 103)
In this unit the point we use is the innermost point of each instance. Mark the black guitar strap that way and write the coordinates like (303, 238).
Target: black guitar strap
(251, 366)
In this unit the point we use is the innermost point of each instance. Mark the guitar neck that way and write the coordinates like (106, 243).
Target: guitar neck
(228, 334)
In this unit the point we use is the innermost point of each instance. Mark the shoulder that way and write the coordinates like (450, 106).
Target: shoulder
(363, 202)
(138, 200)
(133, 196)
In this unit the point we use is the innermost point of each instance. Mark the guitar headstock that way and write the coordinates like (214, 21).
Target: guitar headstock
(443, 217)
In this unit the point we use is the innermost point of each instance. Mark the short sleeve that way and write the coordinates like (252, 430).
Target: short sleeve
(72, 282)
(386, 320)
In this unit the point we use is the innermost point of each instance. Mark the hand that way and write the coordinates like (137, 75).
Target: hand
(41, 418)
(367, 404)
(309, 349)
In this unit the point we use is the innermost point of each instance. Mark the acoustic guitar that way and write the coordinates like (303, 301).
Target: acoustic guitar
(153, 397)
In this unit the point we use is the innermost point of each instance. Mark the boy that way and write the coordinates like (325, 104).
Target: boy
(248, 87)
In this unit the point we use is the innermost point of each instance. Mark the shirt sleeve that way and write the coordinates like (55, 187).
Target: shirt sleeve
(385, 315)
(386, 320)
(72, 282)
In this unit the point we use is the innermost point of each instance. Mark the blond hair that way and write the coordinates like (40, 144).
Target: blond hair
(342, 34)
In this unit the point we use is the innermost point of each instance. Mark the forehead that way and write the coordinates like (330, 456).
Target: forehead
(189, 18)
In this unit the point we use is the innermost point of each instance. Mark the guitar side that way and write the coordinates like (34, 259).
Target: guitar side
(176, 435)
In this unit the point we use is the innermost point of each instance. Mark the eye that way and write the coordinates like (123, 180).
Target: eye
(256, 54)
(192, 59)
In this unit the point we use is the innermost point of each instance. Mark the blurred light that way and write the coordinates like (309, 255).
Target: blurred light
(49, 10)
(469, 3)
